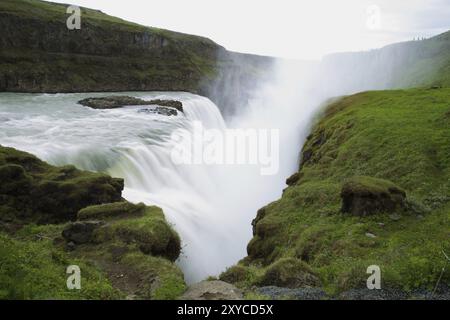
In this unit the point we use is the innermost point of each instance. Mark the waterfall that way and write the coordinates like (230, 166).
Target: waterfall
(137, 147)
(211, 206)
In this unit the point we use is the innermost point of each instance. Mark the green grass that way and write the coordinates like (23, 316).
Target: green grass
(32, 268)
(402, 136)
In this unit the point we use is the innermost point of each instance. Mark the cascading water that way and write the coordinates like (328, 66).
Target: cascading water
(211, 206)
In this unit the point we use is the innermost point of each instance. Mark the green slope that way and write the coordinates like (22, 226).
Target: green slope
(45, 214)
(401, 136)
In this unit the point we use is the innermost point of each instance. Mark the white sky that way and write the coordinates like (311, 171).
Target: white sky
(287, 28)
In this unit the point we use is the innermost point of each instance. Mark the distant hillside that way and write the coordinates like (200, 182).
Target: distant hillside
(39, 54)
(402, 65)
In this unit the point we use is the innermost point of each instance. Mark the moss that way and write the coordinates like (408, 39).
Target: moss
(149, 231)
(167, 280)
(366, 195)
(111, 210)
(121, 248)
(371, 143)
(34, 269)
(289, 273)
(43, 193)
(235, 274)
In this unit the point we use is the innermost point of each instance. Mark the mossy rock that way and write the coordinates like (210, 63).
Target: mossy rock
(235, 274)
(129, 223)
(362, 196)
(15, 181)
(47, 194)
(289, 273)
(121, 209)
(80, 232)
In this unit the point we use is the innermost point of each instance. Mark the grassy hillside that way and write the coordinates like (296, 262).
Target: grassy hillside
(54, 217)
(369, 144)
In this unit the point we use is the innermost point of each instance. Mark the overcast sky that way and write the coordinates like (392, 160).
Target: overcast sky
(288, 28)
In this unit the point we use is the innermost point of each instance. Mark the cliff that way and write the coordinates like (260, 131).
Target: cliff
(38, 53)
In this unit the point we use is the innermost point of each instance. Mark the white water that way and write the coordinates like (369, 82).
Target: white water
(210, 206)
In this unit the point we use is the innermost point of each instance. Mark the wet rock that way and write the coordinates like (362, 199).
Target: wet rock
(212, 290)
(81, 232)
(114, 102)
(362, 196)
(165, 111)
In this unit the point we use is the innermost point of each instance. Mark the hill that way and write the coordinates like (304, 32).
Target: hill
(373, 188)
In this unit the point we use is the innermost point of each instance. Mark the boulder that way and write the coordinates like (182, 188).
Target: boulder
(113, 102)
(81, 232)
(212, 290)
(362, 196)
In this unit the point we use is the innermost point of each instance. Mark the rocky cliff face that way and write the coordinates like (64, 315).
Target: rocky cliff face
(40, 54)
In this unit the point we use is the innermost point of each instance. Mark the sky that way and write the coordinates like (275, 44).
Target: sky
(288, 28)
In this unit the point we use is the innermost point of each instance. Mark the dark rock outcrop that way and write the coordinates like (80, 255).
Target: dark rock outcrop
(362, 196)
(293, 179)
(80, 232)
(34, 191)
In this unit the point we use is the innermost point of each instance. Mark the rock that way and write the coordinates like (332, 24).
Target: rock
(293, 179)
(370, 235)
(80, 232)
(113, 102)
(70, 246)
(212, 290)
(307, 155)
(35, 191)
(362, 196)
(167, 103)
(259, 216)
(165, 111)
(289, 273)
